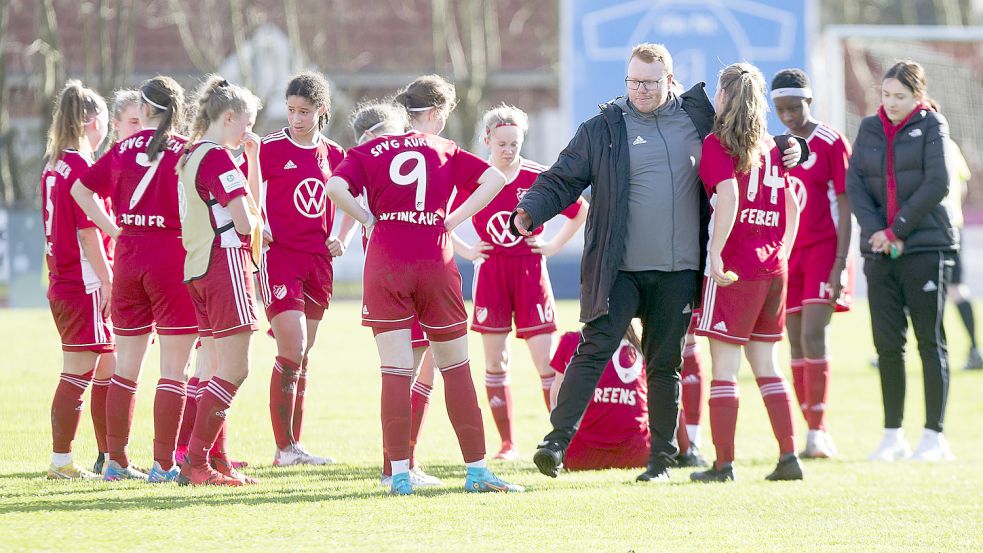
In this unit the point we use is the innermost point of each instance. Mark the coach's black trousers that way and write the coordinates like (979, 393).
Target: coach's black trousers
(664, 302)
(914, 285)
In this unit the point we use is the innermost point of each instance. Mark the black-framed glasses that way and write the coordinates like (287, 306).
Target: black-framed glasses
(647, 86)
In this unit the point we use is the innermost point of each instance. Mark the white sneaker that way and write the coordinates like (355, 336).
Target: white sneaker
(893, 447)
(418, 479)
(295, 454)
(818, 446)
(933, 447)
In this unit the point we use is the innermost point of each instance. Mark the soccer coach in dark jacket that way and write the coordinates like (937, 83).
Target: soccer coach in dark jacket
(644, 246)
(897, 183)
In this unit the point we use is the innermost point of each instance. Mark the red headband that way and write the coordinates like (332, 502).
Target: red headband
(497, 125)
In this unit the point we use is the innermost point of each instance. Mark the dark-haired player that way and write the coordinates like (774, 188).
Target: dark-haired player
(817, 268)
(295, 278)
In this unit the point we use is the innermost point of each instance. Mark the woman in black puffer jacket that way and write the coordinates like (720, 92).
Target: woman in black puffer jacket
(896, 183)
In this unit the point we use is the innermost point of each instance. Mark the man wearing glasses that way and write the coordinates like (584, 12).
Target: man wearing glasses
(645, 242)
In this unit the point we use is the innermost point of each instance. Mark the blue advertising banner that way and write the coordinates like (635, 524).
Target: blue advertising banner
(703, 36)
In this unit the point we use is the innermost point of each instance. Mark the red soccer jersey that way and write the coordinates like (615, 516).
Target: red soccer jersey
(144, 193)
(294, 202)
(219, 180)
(618, 412)
(69, 272)
(816, 184)
(754, 248)
(408, 178)
(492, 222)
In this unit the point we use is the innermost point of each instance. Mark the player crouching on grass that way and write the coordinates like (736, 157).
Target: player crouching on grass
(752, 229)
(79, 274)
(510, 275)
(220, 231)
(408, 178)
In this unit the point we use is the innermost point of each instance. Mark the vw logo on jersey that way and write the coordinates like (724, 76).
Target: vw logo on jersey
(310, 198)
(498, 230)
(807, 164)
(627, 362)
(799, 191)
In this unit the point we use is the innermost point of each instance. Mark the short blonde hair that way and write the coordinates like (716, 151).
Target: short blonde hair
(651, 53)
(502, 116)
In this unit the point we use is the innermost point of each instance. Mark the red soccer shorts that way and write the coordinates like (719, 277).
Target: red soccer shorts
(808, 277)
(81, 325)
(507, 286)
(223, 298)
(632, 454)
(148, 287)
(290, 280)
(745, 310)
(418, 338)
(410, 274)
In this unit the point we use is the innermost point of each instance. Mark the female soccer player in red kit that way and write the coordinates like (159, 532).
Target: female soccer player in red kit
(124, 114)
(367, 119)
(79, 273)
(218, 220)
(510, 276)
(614, 432)
(817, 268)
(138, 174)
(408, 178)
(751, 232)
(295, 278)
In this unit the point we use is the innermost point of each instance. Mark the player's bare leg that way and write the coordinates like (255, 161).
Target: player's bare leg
(499, 391)
(541, 350)
(815, 322)
(131, 352)
(451, 358)
(105, 369)
(763, 357)
(66, 412)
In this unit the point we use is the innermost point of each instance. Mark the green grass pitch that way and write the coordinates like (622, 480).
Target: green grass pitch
(846, 504)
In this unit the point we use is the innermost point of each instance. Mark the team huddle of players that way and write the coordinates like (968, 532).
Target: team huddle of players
(161, 236)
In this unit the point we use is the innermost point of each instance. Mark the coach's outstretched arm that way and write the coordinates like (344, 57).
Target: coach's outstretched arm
(557, 187)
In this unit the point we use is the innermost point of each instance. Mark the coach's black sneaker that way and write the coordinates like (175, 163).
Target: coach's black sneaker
(692, 458)
(658, 469)
(788, 468)
(714, 474)
(974, 362)
(549, 458)
(100, 462)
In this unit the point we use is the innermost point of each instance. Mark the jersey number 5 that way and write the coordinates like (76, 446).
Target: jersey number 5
(49, 205)
(416, 175)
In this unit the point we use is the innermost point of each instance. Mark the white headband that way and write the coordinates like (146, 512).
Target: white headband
(362, 138)
(804, 92)
(420, 109)
(149, 101)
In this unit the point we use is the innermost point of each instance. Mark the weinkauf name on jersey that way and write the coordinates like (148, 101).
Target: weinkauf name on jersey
(413, 217)
(396, 144)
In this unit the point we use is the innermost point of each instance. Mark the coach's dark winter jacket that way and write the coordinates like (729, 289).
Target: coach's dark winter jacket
(597, 156)
(922, 182)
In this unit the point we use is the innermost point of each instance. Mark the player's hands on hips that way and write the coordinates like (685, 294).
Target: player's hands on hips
(791, 155)
(717, 272)
(370, 225)
(477, 251)
(540, 246)
(523, 222)
(250, 144)
(115, 232)
(106, 291)
(837, 276)
(335, 246)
